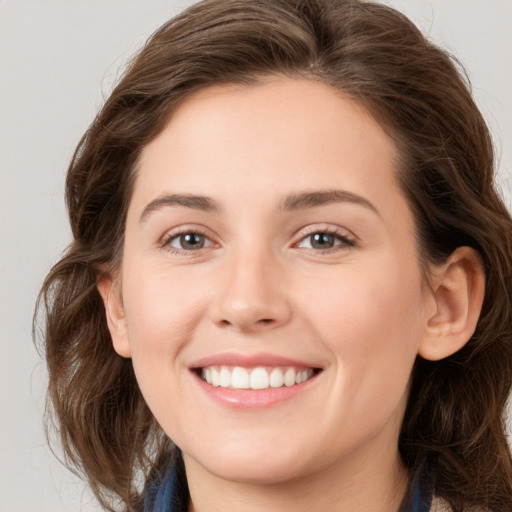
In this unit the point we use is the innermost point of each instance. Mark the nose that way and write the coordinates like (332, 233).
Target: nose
(252, 296)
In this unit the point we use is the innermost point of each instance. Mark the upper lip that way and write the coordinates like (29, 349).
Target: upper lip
(249, 361)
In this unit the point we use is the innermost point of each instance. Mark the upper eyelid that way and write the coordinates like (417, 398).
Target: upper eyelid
(334, 230)
(169, 236)
(343, 243)
(183, 230)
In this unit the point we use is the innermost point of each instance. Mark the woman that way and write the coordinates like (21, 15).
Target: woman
(289, 286)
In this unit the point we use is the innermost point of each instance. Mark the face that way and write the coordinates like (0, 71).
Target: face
(270, 293)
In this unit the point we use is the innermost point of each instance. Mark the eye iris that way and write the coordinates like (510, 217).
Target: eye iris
(322, 241)
(192, 241)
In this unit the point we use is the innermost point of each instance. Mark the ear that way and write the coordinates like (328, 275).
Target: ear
(110, 291)
(458, 288)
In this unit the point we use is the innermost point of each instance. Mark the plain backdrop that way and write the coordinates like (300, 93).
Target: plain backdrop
(58, 61)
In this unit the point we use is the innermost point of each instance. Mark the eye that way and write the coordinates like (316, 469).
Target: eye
(189, 241)
(325, 240)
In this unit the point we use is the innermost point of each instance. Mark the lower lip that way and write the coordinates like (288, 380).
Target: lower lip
(253, 399)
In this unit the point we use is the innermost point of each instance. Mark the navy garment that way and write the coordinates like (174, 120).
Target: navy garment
(419, 499)
(170, 494)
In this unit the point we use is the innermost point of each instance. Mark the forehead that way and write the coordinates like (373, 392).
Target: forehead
(281, 129)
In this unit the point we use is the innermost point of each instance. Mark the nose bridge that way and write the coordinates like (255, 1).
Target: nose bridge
(251, 296)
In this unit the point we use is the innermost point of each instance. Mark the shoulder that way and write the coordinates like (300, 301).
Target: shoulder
(439, 505)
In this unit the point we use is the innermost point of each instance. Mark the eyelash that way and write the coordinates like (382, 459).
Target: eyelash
(166, 242)
(344, 241)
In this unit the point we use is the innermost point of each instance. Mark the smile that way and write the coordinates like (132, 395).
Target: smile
(257, 378)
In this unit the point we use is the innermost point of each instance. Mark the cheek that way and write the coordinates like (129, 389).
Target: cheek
(380, 297)
(162, 313)
(371, 319)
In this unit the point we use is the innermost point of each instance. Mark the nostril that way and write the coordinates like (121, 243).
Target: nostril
(246, 325)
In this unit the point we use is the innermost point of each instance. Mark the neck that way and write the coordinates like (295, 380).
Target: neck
(373, 483)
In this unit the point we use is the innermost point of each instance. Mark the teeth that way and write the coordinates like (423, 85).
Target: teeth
(215, 377)
(301, 376)
(224, 377)
(258, 378)
(276, 378)
(289, 377)
(239, 378)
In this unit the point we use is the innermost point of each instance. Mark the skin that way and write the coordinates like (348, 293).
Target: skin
(360, 310)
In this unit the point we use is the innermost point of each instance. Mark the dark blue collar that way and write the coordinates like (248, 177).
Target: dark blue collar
(419, 499)
(168, 493)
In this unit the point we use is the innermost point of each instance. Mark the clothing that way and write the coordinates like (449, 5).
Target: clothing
(170, 494)
(419, 499)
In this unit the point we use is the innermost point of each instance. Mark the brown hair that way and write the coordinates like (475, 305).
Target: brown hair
(453, 428)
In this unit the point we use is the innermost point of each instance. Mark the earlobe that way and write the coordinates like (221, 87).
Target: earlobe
(109, 290)
(458, 289)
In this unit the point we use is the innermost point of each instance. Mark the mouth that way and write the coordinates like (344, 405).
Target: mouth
(253, 381)
(255, 378)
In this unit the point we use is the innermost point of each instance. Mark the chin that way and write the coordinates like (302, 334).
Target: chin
(252, 466)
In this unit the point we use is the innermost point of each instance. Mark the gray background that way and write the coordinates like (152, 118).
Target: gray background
(58, 61)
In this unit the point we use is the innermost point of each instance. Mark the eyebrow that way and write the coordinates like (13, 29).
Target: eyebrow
(187, 200)
(291, 202)
(306, 200)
